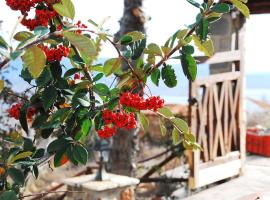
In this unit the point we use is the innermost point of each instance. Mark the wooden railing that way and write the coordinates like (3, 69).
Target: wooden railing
(215, 120)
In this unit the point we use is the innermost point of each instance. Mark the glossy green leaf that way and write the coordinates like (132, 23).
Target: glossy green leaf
(23, 35)
(23, 118)
(57, 145)
(203, 29)
(8, 195)
(206, 47)
(16, 175)
(194, 3)
(65, 8)
(153, 49)
(111, 66)
(80, 154)
(101, 89)
(175, 136)
(165, 112)
(162, 127)
(189, 66)
(155, 76)
(125, 39)
(168, 76)
(181, 125)
(48, 97)
(85, 45)
(143, 121)
(221, 8)
(19, 156)
(35, 60)
(242, 7)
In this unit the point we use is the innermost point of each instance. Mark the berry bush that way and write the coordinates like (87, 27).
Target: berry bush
(72, 99)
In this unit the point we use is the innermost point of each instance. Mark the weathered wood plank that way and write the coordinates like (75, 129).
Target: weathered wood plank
(220, 57)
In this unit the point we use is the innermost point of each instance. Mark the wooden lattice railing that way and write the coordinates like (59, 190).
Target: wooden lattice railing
(216, 121)
(215, 114)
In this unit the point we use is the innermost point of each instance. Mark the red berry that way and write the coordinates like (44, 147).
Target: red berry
(56, 54)
(77, 76)
(135, 101)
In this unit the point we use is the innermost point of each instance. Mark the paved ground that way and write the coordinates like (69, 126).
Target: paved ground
(255, 183)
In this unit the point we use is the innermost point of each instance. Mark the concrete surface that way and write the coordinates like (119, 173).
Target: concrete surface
(253, 185)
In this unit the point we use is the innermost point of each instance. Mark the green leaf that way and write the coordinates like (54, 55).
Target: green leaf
(111, 66)
(188, 49)
(59, 156)
(25, 74)
(136, 36)
(3, 43)
(98, 77)
(8, 195)
(143, 121)
(203, 29)
(85, 45)
(101, 89)
(242, 7)
(80, 154)
(166, 112)
(153, 49)
(85, 129)
(41, 31)
(155, 76)
(35, 60)
(189, 66)
(163, 128)
(16, 175)
(194, 3)
(181, 125)
(168, 76)
(206, 47)
(44, 78)
(71, 72)
(23, 118)
(23, 35)
(19, 156)
(35, 171)
(175, 136)
(2, 85)
(65, 8)
(221, 8)
(49, 97)
(125, 39)
(57, 145)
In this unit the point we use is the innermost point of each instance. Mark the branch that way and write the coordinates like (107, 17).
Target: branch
(158, 155)
(41, 195)
(163, 180)
(157, 167)
(43, 38)
(125, 59)
(176, 48)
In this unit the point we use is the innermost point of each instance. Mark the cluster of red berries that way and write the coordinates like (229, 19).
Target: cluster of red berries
(25, 5)
(56, 54)
(135, 101)
(79, 24)
(42, 19)
(114, 120)
(15, 109)
(22, 5)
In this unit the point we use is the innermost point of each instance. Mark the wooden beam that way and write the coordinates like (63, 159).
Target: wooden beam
(216, 173)
(220, 57)
(212, 79)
